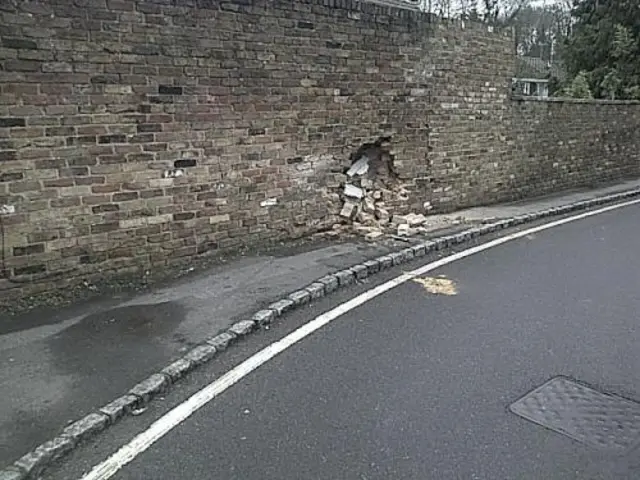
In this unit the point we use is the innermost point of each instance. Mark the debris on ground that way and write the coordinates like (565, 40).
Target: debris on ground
(348, 210)
(437, 286)
(370, 192)
(373, 236)
(360, 167)
(353, 191)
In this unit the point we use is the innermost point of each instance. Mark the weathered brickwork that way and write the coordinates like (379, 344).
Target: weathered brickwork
(135, 133)
(469, 114)
(561, 144)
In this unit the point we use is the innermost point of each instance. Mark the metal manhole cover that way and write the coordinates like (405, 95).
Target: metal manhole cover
(595, 418)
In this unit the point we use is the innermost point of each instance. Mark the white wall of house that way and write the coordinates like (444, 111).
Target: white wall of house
(533, 87)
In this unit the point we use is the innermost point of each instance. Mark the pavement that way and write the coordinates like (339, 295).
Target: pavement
(59, 364)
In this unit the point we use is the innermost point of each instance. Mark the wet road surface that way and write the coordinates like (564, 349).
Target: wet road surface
(415, 385)
(57, 365)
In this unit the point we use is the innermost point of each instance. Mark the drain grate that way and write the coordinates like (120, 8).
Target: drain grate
(594, 418)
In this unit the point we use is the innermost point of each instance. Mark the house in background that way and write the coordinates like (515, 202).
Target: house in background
(533, 76)
(531, 87)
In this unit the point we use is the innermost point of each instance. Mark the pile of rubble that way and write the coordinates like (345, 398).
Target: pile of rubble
(371, 192)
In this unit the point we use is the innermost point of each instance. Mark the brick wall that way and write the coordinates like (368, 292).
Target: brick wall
(138, 132)
(563, 143)
(470, 68)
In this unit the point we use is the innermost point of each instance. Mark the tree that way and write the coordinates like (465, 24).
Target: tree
(605, 45)
(488, 11)
(541, 30)
(611, 83)
(502, 11)
(578, 88)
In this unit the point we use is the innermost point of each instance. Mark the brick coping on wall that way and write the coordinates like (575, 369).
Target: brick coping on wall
(375, 8)
(406, 14)
(588, 101)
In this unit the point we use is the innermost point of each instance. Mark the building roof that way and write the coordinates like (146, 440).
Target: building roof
(533, 67)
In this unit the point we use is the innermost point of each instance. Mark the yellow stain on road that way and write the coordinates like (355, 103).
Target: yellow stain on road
(437, 286)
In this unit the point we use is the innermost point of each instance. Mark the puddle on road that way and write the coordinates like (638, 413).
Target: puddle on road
(57, 379)
(438, 286)
(115, 335)
(145, 320)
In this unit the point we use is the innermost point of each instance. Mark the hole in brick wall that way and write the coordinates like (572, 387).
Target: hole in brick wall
(372, 189)
(185, 163)
(378, 160)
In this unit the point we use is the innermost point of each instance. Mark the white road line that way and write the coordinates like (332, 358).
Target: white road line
(176, 416)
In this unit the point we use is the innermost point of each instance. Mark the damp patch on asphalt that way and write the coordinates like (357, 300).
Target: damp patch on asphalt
(598, 419)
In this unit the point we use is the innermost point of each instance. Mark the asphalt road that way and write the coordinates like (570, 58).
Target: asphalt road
(413, 385)
(57, 365)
